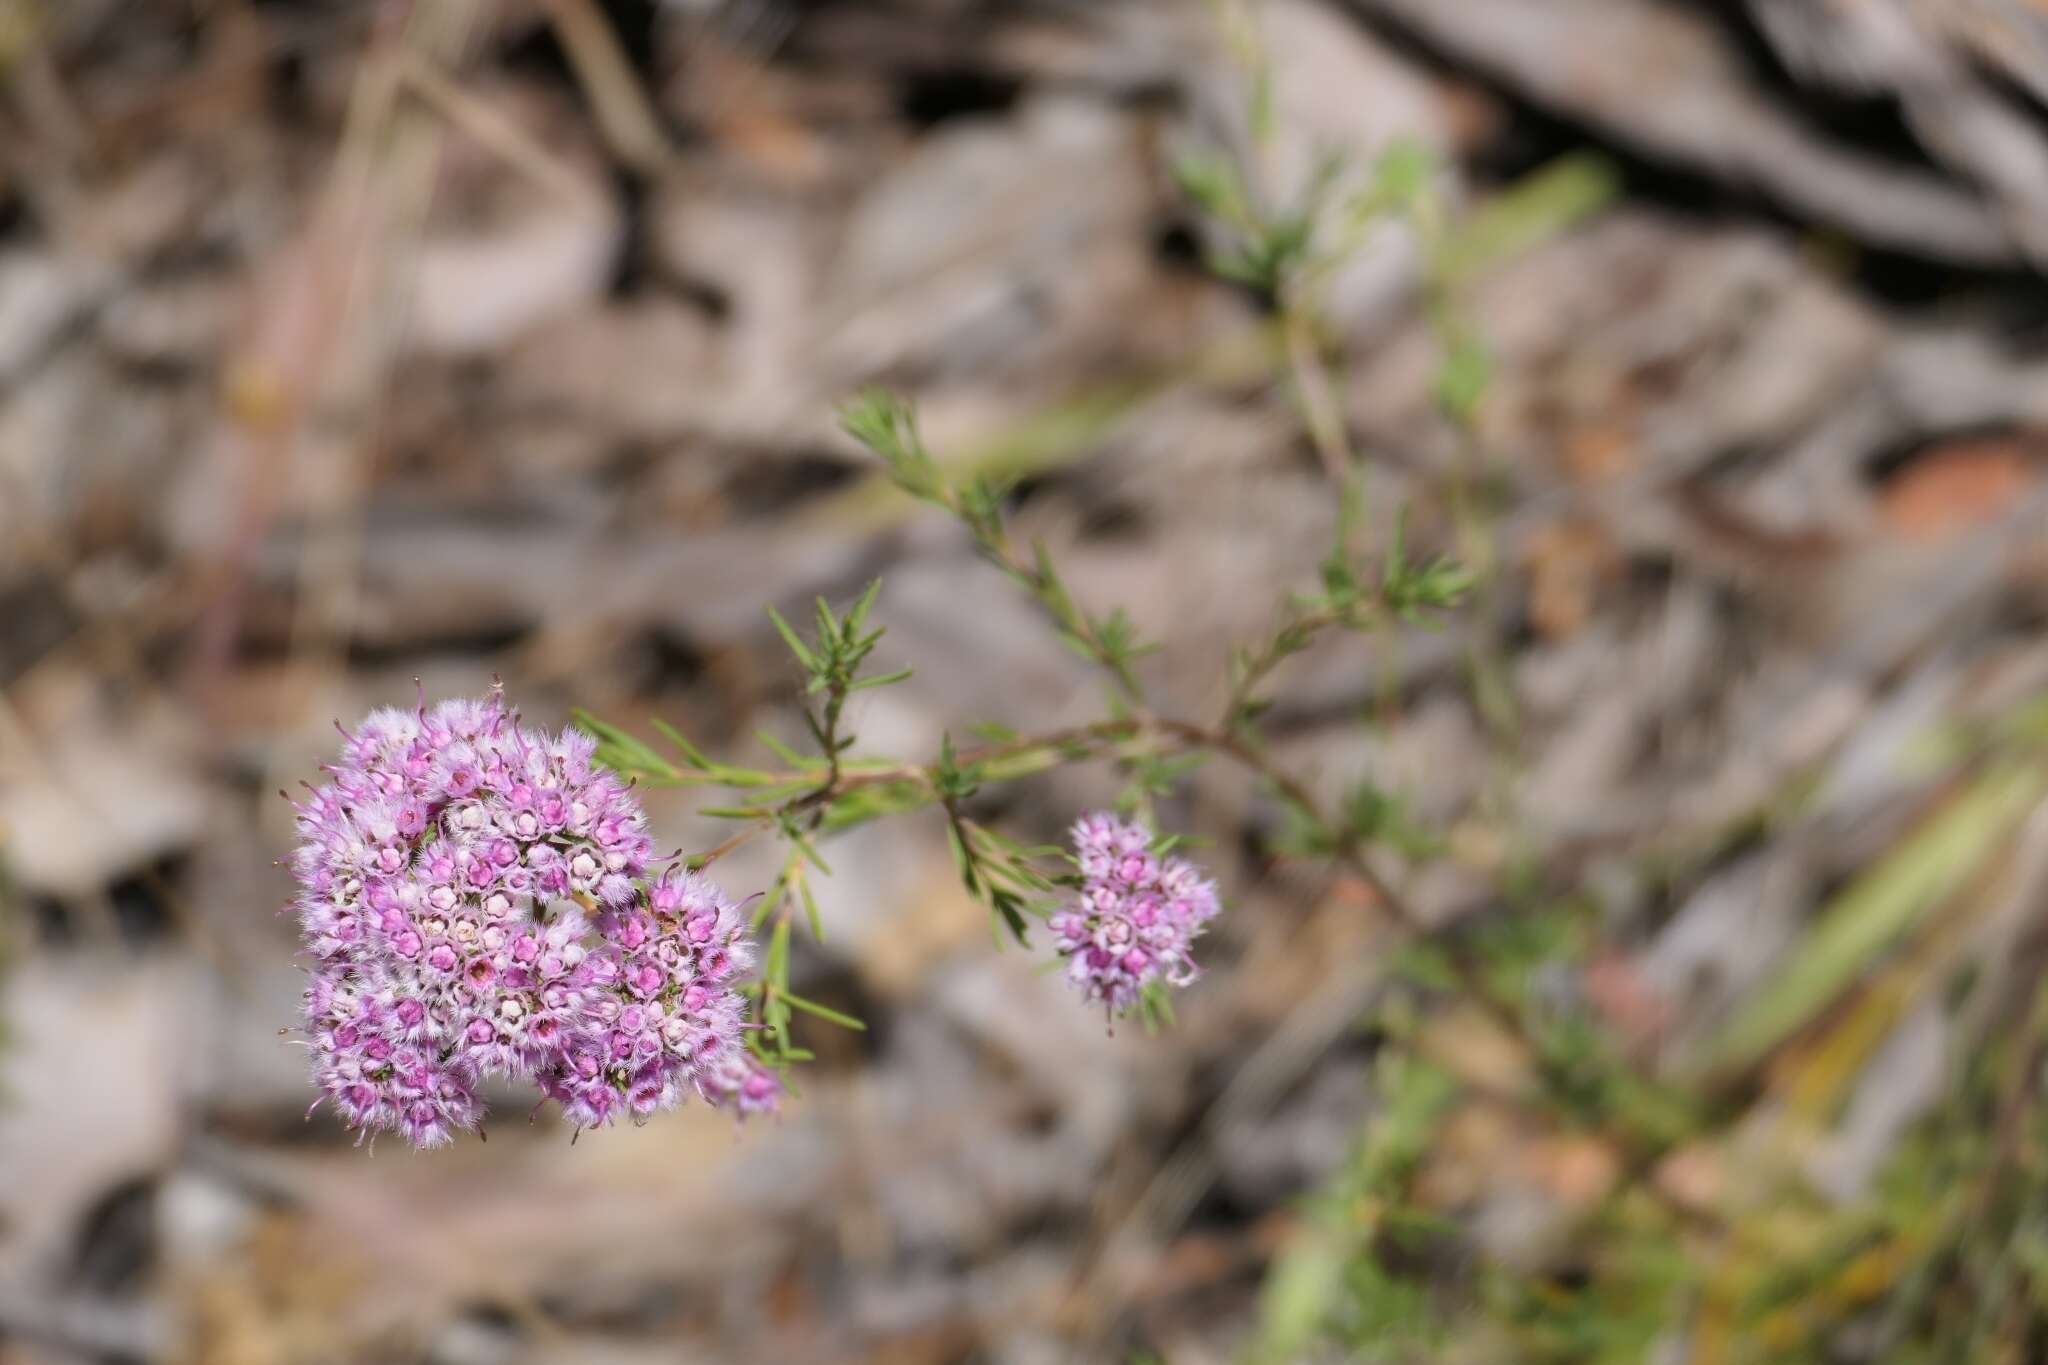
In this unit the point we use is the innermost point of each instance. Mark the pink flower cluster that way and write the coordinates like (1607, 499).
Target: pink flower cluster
(1137, 917)
(451, 877)
(662, 1014)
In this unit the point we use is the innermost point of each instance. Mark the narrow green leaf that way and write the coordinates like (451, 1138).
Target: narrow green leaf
(824, 1012)
(816, 921)
(1462, 378)
(881, 680)
(784, 752)
(1534, 209)
(689, 751)
(1397, 548)
(789, 637)
(634, 752)
(773, 898)
(806, 847)
(858, 615)
(1051, 589)
(828, 627)
(1009, 909)
(962, 862)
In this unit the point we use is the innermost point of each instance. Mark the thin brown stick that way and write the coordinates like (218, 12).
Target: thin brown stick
(491, 127)
(625, 116)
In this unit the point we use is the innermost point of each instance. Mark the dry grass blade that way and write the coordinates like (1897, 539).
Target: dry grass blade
(1869, 916)
(624, 114)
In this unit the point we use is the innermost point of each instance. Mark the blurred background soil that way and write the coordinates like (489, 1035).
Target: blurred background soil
(347, 343)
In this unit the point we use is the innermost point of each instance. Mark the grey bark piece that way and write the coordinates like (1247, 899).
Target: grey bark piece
(1660, 80)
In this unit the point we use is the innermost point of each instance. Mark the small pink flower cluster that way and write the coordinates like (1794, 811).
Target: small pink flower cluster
(662, 1011)
(1137, 917)
(449, 876)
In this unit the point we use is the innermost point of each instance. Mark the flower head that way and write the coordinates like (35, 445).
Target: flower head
(471, 893)
(664, 1014)
(1136, 917)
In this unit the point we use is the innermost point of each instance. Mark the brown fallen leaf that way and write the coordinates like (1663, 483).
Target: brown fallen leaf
(1568, 563)
(1600, 453)
(1957, 486)
(1575, 1168)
